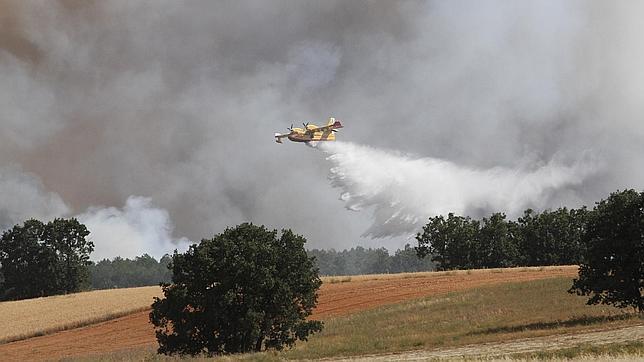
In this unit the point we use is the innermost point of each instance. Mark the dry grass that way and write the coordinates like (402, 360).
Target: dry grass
(488, 314)
(34, 317)
(608, 352)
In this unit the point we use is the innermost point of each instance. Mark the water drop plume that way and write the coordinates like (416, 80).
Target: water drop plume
(404, 190)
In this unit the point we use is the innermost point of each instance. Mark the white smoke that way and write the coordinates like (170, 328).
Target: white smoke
(23, 196)
(137, 228)
(405, 190)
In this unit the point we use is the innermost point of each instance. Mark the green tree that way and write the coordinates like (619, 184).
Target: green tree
(551, 237)
(406, 260)
(70, 249)
(496, 245)
(245, 289)
(329, 262)
(141, 271)
(613, 272)
(20, 250)
(44, 259)
(378, 262)
(451, 242)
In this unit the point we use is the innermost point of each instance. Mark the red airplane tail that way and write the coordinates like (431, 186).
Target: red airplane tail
(334, 123)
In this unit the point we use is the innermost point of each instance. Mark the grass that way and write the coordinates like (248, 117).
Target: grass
(630, 351)
(487, 314)
(149, 354)
(35, 317)
(634, 349)
(490, 314)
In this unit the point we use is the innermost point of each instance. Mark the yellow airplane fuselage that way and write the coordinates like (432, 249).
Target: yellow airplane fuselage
(300, 135)
(311, 132)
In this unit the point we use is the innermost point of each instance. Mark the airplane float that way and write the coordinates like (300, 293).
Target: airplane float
(311, 132)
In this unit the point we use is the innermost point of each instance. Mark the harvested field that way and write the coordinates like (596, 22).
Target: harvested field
(487, 314)
(33, 317)
(344, 296)
(369, 291)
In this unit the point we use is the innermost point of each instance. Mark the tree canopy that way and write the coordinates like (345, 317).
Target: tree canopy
(359, 260)
(127, 273)
(246, 289)
(614, 270)
(40, 259)
(546, 238)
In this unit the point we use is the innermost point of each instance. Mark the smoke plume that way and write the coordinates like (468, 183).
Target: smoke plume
(178, 102)
(136, 229)
(22, 197)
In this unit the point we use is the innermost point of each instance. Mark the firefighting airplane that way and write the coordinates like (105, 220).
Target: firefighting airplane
(311, 132)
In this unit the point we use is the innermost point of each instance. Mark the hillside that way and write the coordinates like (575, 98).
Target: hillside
(339, 296)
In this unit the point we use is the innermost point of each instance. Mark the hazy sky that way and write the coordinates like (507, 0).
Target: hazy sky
(156, 117)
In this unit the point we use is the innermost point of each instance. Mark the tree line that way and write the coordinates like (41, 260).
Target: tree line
(141, 271)
(551, 237)
(145, 270)
(37, 262)
(358, 260)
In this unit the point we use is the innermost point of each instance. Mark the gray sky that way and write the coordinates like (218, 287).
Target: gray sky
(108, 108)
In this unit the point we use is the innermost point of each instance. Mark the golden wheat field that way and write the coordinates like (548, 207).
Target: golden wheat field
(33, 317)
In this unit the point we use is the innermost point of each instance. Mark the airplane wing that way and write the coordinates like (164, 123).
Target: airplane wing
(279, 136)
(331, 125)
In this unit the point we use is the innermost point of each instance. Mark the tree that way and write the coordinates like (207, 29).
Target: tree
(496, 244)
(245, 289)
(451, 242)
(406, 260)
(378, 262)
(329, 262)
(613, 272)
(19, 254)
(70, 249)
(143, 270)
(44, 259)
(552, 237)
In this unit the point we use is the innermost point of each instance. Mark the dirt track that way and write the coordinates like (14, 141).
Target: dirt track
(335, 299)
(519, 346)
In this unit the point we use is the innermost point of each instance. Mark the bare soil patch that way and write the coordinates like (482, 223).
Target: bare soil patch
(336, 298)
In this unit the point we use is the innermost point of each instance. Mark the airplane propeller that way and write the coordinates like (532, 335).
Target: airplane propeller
(305, 124)
(290, 128)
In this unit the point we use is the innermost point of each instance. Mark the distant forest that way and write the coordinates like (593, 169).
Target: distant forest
(359, 260)
(126, 273)
(145, 270)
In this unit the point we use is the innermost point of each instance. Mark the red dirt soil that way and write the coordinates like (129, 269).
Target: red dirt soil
(335, 299)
